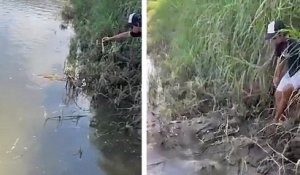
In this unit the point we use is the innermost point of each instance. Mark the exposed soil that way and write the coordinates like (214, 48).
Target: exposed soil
(223, 142)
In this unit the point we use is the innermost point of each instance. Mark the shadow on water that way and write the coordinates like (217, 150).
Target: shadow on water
(120, 153)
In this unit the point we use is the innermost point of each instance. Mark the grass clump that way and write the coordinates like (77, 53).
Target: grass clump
(67, 13)
(214, 52)
(116, 72)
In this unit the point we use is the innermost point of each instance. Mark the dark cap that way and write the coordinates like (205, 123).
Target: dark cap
(135, 19)
(273, 28)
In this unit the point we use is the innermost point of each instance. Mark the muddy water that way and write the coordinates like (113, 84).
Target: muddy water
(159, 161)
(32, 44)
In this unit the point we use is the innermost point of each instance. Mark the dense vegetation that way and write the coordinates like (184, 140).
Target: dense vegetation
(212, 53)
(114, 70)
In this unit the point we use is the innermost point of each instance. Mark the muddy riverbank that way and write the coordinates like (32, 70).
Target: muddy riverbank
(233, 140)
(222, 142)
(113, 69)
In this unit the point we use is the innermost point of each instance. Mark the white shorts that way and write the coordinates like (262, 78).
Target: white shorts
(286, 79)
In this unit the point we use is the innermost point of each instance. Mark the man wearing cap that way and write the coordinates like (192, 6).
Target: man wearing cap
(287, 75)
(135, 23)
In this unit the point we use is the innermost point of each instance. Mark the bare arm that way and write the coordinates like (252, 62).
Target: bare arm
(119, 36)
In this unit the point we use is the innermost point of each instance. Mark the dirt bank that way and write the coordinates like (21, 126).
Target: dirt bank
(111, 70)
(222, 141)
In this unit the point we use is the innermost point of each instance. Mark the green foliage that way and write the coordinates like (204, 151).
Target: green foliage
(106, 73)
(216, 45)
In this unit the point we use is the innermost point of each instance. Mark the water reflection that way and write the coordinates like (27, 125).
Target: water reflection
(32, 44)
(121, 154)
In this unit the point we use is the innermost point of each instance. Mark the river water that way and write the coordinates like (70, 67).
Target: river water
(32, 44)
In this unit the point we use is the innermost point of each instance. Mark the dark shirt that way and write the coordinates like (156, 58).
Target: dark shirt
(138, 34)
(291, 53)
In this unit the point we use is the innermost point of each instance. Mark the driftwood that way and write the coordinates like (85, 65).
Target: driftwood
(66, 117)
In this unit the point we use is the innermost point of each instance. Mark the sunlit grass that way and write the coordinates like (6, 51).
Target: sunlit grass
(214, 47)
(105, 72)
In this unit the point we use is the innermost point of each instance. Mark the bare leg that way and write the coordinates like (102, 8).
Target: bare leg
(282, 99)
(278, 96)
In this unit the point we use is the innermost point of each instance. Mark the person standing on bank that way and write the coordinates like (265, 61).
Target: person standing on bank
(135, 23)
(287, 75)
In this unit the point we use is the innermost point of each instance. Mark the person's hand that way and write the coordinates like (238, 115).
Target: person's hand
(104, 39)
(276, 81)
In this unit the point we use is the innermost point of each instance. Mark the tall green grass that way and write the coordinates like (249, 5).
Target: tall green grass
(106, 73)
(214, 48)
